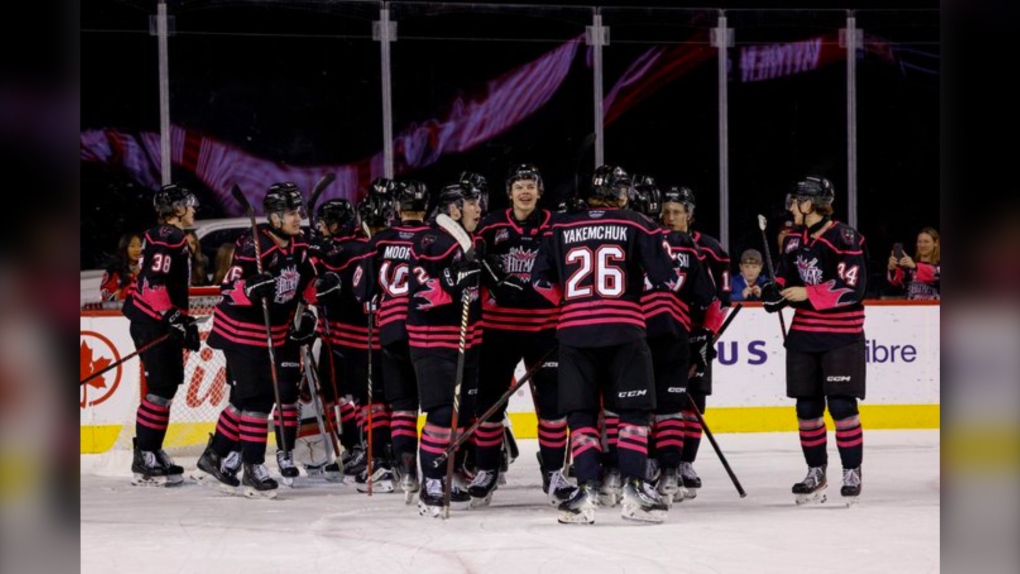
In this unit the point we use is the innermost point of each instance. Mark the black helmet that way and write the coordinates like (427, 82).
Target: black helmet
(172, 196)
(679, 194)
(458, 193)
(609, 182)
(410, 195)
(382, 186)
(475, 181)
(524, 171)
(818, 189)
(376, 210)
(335, 211)
(283, 197)
(646, 197)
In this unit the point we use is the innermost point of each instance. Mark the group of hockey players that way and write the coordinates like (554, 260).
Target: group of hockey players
(614, 304)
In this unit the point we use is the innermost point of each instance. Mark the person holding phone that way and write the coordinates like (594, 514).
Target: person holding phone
(920, 276)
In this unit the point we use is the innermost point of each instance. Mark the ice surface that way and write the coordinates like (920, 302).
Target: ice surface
(323, 527)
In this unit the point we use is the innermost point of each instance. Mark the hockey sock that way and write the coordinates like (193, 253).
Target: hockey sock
(692, 436)
(813, 441)
(633, 447)
(488, 443)
(254, 433)
(552, 441)
(585, 446)
(151, 421)
(612, 428)
(435, 439)
(349, 436)
(227, 437)
(380, 430)
(404, 433)
(850, 441)
(286, 439)
(669, 439)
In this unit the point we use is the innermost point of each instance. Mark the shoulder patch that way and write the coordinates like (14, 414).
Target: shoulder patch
(792, 244)
(848, 235)
(428, 239)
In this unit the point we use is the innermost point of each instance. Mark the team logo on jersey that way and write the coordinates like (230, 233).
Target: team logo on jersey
(596, 214)
(406, 234)
(428, 239)
(792, 244)
(520, 261)
(809, 272)
(502, 235)
(287, 284)
(848, 235)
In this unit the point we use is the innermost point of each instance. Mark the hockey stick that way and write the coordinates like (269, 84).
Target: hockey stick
(368, 415)
(144, 348)
(701, 419)
(460, 235)
(320, 187)
(241, 199)
(762, 223)
(454, 445)
(320, 406)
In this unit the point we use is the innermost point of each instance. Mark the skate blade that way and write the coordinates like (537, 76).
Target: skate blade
(383, 486)
(609, 500)
(689, 493)
(585, 516)
(636, 513)
(410, 495)
(817, 497)
(481, 502)
(501, 481)
(850, 501)
(250, 492)
(429, 511)
(205, 479)
(287, 481)
(149, 481)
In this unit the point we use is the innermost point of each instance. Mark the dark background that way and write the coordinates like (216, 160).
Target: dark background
(299, 83)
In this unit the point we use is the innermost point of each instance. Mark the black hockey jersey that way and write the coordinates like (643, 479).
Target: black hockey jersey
(717, 261)
(593, 265)
(667, 312)
(435, 311)
(385, 276)
(238, 322)
(516, 245)
(347, 325)
(833, 269)
(165, 271)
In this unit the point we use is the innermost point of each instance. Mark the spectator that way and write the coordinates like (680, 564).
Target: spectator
(921, 275)
(199, 261)
(747, 284)
(120, 275)
(224, 260)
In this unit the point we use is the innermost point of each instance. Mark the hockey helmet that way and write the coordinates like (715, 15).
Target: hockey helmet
(457, 194)
(475, 181)
(335, 212)
(283, 197)
(410, 195)
(173, 196)
(524, 171)
(376, 210)
(816, 189)
(646, 198)
(609, 183)
(382, 186)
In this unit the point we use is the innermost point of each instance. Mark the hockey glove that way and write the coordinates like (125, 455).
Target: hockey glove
(462, 274)
(191, 340)
(702, 350)
(303, 332)
(327, 288)
(260, 285)
(177, 323)
(771, 300)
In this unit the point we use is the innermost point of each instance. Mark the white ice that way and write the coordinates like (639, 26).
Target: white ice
(322, 527)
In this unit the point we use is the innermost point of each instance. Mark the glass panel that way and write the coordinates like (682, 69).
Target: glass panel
(787, 101)
(898, 131)
(481, 88)
(119, 102)
(662, 99)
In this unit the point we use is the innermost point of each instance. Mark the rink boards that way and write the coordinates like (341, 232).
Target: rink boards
(903, 346)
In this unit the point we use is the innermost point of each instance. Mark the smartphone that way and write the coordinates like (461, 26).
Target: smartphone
(898, 250)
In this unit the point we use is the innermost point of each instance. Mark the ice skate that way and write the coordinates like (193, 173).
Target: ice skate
(220, 472)
(690, 480)
(481, 488)
(257, 482)
(557, 487)
(431, 498)
(642, 503)
(670, 486)
(851, 489)
(812, 488)
(383, 478)
(409, 477)
(174, 472)
(288, 470)
(611, 489)
(580, 507)
(354, 462)
(147, 469)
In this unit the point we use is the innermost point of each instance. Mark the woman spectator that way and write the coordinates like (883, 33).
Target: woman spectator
(921, 275)
(199, 262)
(224, 259)
(120, 275)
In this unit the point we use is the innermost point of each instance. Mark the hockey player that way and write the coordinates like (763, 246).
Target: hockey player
(343, 321)
(441, 275)
(239, 330)
(382, 284)
(157, 304)
(593, 265)
(678, 215)
(519, 324)
(822, 274)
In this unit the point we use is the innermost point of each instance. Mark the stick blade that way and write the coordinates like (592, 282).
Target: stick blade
(320, 186)
(762, 222)
(458, 233)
